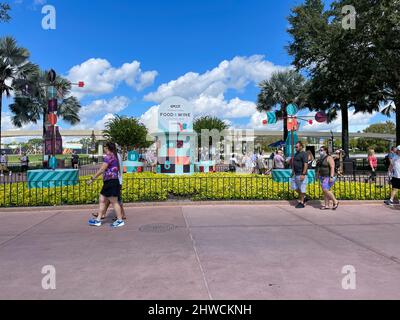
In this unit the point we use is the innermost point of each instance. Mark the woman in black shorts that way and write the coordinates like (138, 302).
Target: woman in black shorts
(111, 187)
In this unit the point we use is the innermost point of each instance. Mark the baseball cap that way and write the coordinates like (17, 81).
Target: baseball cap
(398, 148)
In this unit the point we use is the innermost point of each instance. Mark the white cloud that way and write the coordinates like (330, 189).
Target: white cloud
(6, 125)
(235, 74)
(101, 77)
(150, 119)
(206, 105)
(97, 107)
(207, 91)
(228, 123)
(100, 124)
(256, 122)
(100, 108)
(218, 106)
(357, 122)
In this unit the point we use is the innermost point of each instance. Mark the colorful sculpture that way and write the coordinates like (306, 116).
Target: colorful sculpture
(283, 175)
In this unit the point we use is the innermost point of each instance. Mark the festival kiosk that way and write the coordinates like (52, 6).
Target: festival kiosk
(175, 138)
(133, 164)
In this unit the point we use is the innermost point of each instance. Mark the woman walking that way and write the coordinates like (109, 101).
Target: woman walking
(326, 174)
(373, 164)
(110, 170)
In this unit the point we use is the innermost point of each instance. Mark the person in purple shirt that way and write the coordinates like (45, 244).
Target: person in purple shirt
(110, 170)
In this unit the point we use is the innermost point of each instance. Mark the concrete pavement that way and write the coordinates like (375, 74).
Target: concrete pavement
(266, 251)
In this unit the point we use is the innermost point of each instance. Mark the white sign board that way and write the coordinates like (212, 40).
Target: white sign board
(175, 115)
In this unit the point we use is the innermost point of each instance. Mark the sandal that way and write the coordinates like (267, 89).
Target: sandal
(324, 208)
(335, 206)
(96, 215)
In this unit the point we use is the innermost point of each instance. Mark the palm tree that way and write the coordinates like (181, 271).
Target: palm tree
(4, 16)
(30, 106)
(283, 88)
(14, 67)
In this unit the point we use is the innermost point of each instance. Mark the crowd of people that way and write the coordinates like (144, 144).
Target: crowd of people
(258, 163)
(4, 168)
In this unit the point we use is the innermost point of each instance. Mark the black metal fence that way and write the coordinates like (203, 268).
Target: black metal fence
(141, 187)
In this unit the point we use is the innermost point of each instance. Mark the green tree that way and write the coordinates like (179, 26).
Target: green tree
(31, 101)
(283, 88)
(343, 75)
(378, 34)
(208, 123)
(353, 143)
(86, 144)
(128, 132)
(4, 9)
(379, 145)
(14, 67)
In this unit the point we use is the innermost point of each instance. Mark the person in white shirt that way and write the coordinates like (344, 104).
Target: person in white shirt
(233, 163)
(394, 175)
(3, 162)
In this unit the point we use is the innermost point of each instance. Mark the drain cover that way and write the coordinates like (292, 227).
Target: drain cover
(157, 227)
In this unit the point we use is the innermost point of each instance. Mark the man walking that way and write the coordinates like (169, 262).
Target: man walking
(299, 174)
(394, 175)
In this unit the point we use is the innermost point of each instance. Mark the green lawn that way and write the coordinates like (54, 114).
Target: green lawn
(39, 158)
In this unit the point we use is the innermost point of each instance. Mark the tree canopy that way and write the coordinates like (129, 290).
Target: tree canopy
(14, 68)
(31, 103)
(348, 68)
(4, 10)
(284, 87)
(128, 132)
(379, 145)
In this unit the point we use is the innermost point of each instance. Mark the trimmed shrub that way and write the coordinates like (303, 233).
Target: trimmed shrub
(197, 187)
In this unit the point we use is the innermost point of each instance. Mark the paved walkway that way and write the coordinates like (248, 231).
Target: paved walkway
(203, 252)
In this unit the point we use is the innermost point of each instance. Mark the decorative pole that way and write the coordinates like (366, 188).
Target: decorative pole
(53, 140)
(52, 118)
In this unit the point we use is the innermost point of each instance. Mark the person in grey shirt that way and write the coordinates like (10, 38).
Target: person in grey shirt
(299, 174)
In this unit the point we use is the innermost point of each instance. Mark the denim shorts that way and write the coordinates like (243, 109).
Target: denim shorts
(326, 183)
(297, 184)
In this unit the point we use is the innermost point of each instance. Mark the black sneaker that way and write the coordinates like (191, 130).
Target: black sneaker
(389, 202)
(306, 199)
(300, 205)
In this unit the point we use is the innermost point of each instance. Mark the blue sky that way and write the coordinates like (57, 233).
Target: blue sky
(132, 54)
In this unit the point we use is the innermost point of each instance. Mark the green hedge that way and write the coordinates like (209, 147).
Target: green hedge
(156, 187)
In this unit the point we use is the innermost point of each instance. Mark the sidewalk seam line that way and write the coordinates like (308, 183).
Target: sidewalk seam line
(3, 244)
(197, 255)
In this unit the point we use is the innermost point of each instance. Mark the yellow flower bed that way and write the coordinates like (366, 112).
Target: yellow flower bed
(157, 187)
